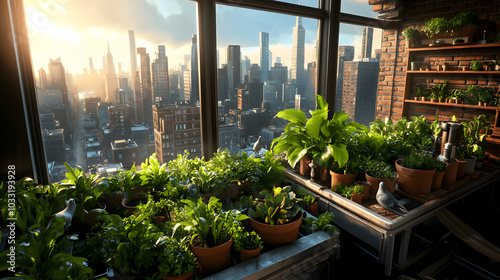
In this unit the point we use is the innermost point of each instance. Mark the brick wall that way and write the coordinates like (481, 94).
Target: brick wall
(394, 61)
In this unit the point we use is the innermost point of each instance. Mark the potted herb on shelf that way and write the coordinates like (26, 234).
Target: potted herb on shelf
(379, 171)
(434, 26)
(310, 201)
(324, 222)
(248, 243)
(353, 193)
(422, 93)
(416, 172)
(347, 174)
(175, 260)
(457, 95)
(439, 92)
(463, 25)
(476, 66)
(211, 229)
(412, 36)
(277, 217)
(437, 180)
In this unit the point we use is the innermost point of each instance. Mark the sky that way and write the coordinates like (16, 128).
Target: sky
(78, 29)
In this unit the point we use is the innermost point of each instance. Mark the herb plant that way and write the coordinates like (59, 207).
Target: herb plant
(420, 161)
(278, 207)
(380, 169)
(246, 240)
(175, 258)
(411, 33)
(324, 222)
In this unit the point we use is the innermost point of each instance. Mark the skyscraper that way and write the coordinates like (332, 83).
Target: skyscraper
(346, 53)
(57, 77)
(145, 86)
(111, 79)
(264, 55)
(195, 87)
(298, 50)
(366, 45)
(160, 78)
(234, 56)
(42, 77)
(133, 73)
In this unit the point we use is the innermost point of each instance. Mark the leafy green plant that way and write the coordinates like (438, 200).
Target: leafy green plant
(324, 222)
(268, 172)
(153, 174)
(421, 92)
(182, 169)
(380, 169)
(85, 190)
(348, 191)
(434, 26)
(278, 207)
(305, 196)
(440, 90)
(474, 132)
(41, 254)
(440, 166)
(129, 179)
(318, 136)
(246, 240)
(419, 160)
(476, 66)
(208, 181)
(353, 166)
(458, 94)
(411, 33)
(462, 20)
(161, 207)
(209, 224)
(174, 257)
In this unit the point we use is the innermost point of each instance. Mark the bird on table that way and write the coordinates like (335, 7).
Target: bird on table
(389, 202)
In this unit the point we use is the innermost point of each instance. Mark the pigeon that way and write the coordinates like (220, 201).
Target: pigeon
(389, 202)
(257, 146)
(67, 213)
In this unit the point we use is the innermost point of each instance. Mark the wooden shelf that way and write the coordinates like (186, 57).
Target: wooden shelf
(492, 108)
(455, 72)
(455, 47)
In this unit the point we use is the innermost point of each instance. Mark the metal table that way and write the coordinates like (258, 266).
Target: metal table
(380, 232)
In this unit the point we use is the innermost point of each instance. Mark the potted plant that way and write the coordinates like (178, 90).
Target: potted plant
(476, 66)
(346, 174)
(324, 222)
(488, 65)
(112, 196)
(175, 260)
(437, 180)
(86, 191)
(211, 229)
(310, 201)
(412, 36)
(156, 211)
(277, 217)
(440, 91)
(319, 137)
(457, 95)
(379, 171)
(416, 172)
(422, 93)
(153, 175)
(474, 132)
(463, 24)
(248, 243)
(353, 193)
(434, 26)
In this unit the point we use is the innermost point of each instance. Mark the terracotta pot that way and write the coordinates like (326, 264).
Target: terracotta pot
(450, 175)
(305, 170)
(470, 164)
(89, 219)
(366, 190)
(213, 259)
(390, 184)
(357, 197)
(312, 209)
(186, 276)
(248, 254)
(414, 181)
(437, 180)
(324, 175)
(347, 180)
(460, 169)
(423, 98)
(126, 201)
(277, 235)
(434, 100)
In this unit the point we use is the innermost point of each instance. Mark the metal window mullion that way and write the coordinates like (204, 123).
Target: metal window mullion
(277, 7)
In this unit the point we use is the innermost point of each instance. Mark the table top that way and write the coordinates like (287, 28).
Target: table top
(372, 212)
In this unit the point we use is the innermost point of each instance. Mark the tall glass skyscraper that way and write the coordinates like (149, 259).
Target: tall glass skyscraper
(264, 55)
(298, 50)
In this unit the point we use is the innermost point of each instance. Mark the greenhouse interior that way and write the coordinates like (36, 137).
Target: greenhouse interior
(250, 139)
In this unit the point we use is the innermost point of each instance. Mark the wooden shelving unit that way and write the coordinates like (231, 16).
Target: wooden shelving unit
(454, 50)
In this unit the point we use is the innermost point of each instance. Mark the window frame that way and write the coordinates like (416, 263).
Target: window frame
(25, 108)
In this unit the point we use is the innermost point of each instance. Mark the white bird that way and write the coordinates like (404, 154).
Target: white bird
(257, 146)
(389, 202)
(67, 213)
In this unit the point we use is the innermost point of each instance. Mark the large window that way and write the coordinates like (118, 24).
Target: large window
(115, 80)
(267, 63)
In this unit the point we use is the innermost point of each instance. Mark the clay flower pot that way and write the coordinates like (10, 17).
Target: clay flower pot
(346, 179)
(312, 209)
(390, 184)
(112, 200)
(460, 169)
(414, 181)
(470, 164)
(186, 276)
(248, 254)
(130, 203)
(450, 175)
(305, 170)
(277, 235)
(213, 259)
(357, 197)
(437, 180)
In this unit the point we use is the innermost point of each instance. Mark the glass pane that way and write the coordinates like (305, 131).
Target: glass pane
(357, 72)
(308, 3)
(358, 7)
(115, 85)
(266, 63)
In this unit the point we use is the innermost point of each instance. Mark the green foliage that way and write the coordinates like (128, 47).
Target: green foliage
(440, 90)
(353, 165)
(318, 136)
(476, 65)
(440, 166)
(246, 240)
(152, 208)
(458, 94)
(421, 92)
(411, 33)
(153, 174)
(461, 20)
(380, 169)
(269, 172)
(131, 243)
(208, 181)
(85, 190)
(348, 191)
(41, 254)
(419, 161)
(174, 257)
(209, 224)
(434, 26)
(278, 207)
(324, 222)
(182, 169)
(305, 196)
(474, 132)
